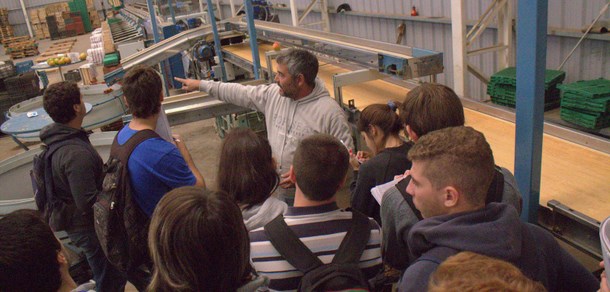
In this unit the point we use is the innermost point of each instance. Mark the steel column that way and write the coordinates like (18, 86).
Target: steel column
(156, 38)
(294, 13)
(171, 10)
(256, 62)
(460, 63)
(216, 40)
(531, 64)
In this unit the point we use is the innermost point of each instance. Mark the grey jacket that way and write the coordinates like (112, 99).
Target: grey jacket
(494, 231)
(77, 177)
(288, 121)
(398, 218)
(261, 214)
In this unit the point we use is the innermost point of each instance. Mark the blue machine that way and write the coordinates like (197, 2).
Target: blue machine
(176, 68)
(262, 10)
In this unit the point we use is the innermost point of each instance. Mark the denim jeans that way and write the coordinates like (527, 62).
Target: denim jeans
(106, 276)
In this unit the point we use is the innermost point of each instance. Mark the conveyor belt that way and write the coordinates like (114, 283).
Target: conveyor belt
(572, 174)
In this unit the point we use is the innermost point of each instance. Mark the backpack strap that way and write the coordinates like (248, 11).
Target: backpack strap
(288, 244)
(402, 188)
(123, 152)
(496, 189)
(353, 244)
(437, 255)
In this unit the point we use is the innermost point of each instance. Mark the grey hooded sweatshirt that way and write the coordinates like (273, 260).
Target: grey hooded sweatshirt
(77, 178)
(259, 215)
(494, 231)
(288, 121)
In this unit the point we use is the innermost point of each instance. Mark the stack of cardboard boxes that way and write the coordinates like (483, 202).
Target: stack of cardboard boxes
(55, 20)
(6, 30)
(38, 18)
(93, 15)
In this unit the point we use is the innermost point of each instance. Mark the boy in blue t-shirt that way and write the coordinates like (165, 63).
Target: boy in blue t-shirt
(155, 166)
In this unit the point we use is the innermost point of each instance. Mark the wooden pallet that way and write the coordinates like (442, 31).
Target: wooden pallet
(11, 40)
(48, 54)
(70, 41)
(23, 54)
(58, 47)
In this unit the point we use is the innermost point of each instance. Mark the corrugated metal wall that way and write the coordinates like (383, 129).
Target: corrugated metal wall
(589, 61)
(16, 18)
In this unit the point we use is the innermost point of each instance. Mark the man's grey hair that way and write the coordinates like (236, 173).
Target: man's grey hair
(300, 62)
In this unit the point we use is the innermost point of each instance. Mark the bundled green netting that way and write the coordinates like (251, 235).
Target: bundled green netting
(502, 87)
(586, 103)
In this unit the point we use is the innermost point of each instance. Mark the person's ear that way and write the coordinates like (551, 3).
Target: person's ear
(373, 130)
(451, 196)
(161, 96)
(301, 80)
(412, 135)
(76, 108)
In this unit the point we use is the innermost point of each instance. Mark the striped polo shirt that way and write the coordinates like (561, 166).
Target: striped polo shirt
(321, 229)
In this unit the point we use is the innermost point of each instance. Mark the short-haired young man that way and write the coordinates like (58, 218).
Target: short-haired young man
(452, 201)
(426, 108)
(31, 257)
(295, 106)
(77, 178)
(155, 166)
(319, 170)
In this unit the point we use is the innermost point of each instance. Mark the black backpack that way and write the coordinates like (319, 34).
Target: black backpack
(120, 224)
(494, 193)
(41, 176)
(341, 274)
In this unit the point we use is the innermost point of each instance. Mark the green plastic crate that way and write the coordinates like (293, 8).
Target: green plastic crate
(597, 105)
(592, 89)
(509, 76)
(590, 121)
(548, 105)
(111, 59)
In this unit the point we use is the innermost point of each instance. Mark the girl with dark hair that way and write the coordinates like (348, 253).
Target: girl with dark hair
(198, 242)
(380, 127)
(247, 172)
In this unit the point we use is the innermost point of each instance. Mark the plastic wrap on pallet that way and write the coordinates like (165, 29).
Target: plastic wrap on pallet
(95, 56)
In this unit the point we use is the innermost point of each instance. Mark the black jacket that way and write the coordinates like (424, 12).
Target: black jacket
(376, 171)
(77, 178)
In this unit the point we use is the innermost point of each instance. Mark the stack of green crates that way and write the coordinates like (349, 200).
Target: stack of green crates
(112, 59)
(81, 6)
(586, 103)
(503, 87)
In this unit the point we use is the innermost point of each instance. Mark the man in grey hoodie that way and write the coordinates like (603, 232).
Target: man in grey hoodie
(296, 106)
(452, 170)
(77, 178)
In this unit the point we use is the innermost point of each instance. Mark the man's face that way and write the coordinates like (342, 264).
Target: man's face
(287, 82)
(427, 199)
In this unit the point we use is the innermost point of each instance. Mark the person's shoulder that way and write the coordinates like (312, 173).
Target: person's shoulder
(372, 223)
